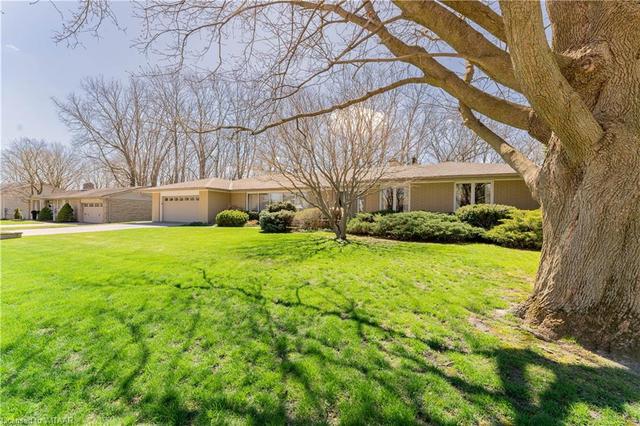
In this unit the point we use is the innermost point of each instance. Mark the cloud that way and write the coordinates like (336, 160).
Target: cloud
(12, 47)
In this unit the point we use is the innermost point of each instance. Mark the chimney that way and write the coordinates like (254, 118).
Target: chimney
(87, 186)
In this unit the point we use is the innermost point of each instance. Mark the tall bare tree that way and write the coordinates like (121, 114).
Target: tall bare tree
(334, 160)
(34, 163)
(115, 125)
(579, 97)
(60, 166)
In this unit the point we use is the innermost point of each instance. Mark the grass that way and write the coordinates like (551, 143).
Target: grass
(42, 225)
(18, 222)
(230, 326)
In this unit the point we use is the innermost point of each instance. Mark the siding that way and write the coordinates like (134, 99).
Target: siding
(435, 197)
(155, 212)
(372, 201)
(10, 202)
(513, 193)
(238, 200)
(126, 209)
(215, 203)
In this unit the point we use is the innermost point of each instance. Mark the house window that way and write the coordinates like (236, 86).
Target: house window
(394, 199)
(259, 201)
(472, 193)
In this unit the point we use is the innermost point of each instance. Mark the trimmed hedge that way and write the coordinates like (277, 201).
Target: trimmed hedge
(310, 219)
(415, 226)
(17, 214)
(484, 215)
(522, 230)
(65, 214)
(235, 218)
(279, 221)
(45, 214)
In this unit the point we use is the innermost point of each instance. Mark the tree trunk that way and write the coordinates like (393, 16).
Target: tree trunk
(588, 282)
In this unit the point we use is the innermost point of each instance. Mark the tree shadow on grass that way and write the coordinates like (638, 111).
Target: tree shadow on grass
(600, 387)
(405, 367)
(298, 250)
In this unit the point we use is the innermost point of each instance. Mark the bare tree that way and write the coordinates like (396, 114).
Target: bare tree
(59, 166)
(114, 125)
(35, 163)
(578, 97)
(21, 163)
(334, 160)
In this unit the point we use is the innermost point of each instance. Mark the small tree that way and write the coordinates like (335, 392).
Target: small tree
(65, 214)
(17, 214)
(333, 160)
(45, 213)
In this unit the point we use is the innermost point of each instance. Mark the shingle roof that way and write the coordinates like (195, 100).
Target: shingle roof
(418, 171)
(448, 170)
(90, 193)
(210, 183)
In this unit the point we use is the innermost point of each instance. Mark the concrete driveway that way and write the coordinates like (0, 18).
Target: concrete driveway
(98, 227)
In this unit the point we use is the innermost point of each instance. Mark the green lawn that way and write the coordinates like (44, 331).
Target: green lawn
(17, 222)
(191, 325)
(42, 225)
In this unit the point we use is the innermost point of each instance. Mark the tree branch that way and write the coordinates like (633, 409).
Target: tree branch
(462, 37)
(543, 84)
(437, 75)
(481, 14)
(516, 159)
(343, 105)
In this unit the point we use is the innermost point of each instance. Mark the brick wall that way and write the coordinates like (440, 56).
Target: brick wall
(129, 210)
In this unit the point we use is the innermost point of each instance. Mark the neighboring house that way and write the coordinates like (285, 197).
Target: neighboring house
(439, 187)
(100, 205)
(15, 195)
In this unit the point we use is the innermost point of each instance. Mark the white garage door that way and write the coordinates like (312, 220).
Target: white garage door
(92, 212)
(183, 208)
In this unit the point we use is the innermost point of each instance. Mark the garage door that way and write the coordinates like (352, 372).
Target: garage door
(183, 208)
(92, 212)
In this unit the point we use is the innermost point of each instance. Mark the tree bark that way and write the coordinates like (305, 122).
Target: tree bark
(588, 282)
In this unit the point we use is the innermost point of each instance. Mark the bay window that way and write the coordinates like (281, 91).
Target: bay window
(467, 193)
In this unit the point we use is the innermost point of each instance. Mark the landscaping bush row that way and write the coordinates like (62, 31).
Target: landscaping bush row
(501, 225)
(415, 226)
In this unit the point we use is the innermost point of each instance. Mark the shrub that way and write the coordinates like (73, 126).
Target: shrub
(281, 205)
(415, 226)
(231, 218)
(45, 214)
(253, 215)
(425, 226)
(522, 230)
(17, 214)
(363, 225)
(279, 221)
(197, 223)
(383, 212)
(65, 214)
(367, 217)
(310, 219)
(484, 215)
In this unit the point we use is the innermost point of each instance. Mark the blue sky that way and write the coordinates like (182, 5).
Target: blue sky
(34, 68)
